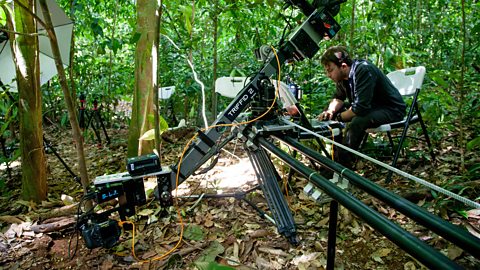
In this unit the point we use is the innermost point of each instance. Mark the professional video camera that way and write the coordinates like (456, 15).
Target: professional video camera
(320, 24)
(97, 229)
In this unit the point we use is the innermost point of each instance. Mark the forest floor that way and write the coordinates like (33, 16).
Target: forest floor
(221, 232)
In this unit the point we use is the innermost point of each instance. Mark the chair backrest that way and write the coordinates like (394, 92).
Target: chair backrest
(166, 92)
(229, 86)
(407, 80)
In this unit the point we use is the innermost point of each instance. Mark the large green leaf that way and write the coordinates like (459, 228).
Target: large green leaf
(3, 17)
(209, 254)
(473, 143)
(194, 232)
(212, 266)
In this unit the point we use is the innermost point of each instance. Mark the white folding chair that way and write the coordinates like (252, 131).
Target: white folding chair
(408, 82)
(229, 86)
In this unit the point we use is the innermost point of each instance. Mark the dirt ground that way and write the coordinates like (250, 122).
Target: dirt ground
(219, 233)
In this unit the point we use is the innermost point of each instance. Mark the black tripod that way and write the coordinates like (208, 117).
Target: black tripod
(94, 118)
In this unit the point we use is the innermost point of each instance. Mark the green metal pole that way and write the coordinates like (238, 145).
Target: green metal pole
(450, 232)
(412, 245)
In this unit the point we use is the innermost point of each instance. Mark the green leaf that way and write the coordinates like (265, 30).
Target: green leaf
(473, 144)
(135, 37)
(463, 213)
(96, 28)
(163, 124)
(212, 266)
(148, 136)
(209, 254)
(187, 15)
(194, 232)
(191, 114)
(3, 17)
(474, 168)
(439, 80)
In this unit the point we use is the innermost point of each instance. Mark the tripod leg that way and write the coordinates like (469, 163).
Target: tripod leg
(268, 180)
(97, 134)
(81, 118)
(100, 119)
(47, 144)
(89, 120)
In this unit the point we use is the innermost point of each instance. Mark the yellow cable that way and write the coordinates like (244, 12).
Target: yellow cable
(178, 172)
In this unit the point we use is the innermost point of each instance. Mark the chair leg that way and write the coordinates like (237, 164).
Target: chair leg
(404, 134)
(364, 140)
(425, 133)
(397, 151)
(390, 140)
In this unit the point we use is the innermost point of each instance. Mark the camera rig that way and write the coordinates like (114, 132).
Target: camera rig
(97, 229)
(100, 231)
(258, 94)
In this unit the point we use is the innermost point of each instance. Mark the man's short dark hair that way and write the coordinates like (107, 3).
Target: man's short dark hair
(337, 55)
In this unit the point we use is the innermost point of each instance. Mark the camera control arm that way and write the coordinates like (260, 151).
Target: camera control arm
(302, 43)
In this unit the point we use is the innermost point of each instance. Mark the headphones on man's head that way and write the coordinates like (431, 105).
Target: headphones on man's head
(341, 57)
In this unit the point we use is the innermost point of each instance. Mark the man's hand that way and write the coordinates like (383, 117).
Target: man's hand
(326, 115)
(292, 110)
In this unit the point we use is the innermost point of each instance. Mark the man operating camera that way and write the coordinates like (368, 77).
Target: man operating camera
(372, 98)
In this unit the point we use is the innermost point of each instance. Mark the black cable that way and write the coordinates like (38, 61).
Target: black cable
(282, 39)
(76, 231)
(84, 198)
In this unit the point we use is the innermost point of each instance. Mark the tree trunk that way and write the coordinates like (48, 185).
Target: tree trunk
(27, 65)
(215, 60)
(145, 78)
(156, 105)
(462, 91)
(72, 115)
(352, 29)
(72, 56)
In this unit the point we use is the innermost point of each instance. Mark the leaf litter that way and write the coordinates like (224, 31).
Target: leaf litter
(220, 233)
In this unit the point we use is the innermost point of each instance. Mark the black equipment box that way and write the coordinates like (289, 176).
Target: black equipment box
(142, 165)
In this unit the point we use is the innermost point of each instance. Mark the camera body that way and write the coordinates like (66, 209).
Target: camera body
(103, 234)
(303, 43)
(142, 165)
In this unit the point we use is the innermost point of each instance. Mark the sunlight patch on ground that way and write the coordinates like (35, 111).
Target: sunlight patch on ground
(12, 165)
(229, 173)
(234, 175)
